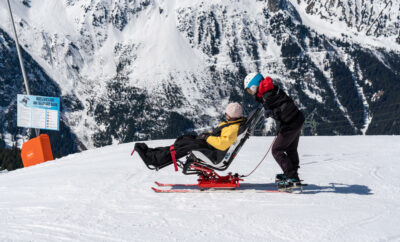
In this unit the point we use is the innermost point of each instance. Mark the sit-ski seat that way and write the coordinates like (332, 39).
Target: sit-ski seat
(245, 130)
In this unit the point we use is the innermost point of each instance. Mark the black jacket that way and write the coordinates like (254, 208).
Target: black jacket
(282, 107)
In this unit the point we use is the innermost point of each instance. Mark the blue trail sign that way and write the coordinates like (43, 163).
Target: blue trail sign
(38, 112)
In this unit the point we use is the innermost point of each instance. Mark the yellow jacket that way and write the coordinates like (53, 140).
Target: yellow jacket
(227, 138)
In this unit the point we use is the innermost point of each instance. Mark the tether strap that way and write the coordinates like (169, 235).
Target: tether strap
(262, 158)
(173, 153)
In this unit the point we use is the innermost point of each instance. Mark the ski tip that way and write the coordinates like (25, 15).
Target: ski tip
(156, 190)
(163, 184)
(170, 191)
(160, 184)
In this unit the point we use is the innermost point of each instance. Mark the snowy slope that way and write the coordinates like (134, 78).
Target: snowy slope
(104, 195)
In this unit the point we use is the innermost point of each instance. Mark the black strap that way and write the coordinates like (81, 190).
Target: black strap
(217, 131)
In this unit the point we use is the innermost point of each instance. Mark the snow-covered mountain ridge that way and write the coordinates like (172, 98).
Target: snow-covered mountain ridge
(366, 18)
(131, 70)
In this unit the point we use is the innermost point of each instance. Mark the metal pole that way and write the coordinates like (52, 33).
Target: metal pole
(20, 56)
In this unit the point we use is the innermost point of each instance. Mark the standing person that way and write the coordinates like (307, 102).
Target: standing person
(214, 144)
(282, 108)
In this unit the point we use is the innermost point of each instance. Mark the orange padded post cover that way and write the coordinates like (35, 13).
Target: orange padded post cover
(36, 151)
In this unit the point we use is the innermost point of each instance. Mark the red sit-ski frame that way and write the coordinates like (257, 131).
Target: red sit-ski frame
(208, 178)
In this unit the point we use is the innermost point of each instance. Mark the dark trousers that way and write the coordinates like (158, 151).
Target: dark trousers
(285, 152)
(161, 156)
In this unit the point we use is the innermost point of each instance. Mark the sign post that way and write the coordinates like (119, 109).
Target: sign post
(21, 63)
(38, 112)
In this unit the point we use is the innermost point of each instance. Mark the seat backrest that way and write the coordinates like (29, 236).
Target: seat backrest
(244, 133)
(245, 130)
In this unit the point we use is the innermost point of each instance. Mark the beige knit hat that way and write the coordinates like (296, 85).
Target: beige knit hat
(234, 110)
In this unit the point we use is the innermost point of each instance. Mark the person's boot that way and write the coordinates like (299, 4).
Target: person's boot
(141, 149)
(289, 182)
(280, 178)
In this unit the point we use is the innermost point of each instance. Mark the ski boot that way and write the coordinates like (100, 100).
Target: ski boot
(280, 178)
(290, 183)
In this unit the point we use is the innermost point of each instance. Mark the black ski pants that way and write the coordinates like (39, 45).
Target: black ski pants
(285, 152)
(161, 156)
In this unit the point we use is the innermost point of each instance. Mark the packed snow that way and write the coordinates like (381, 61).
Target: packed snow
(104, 195)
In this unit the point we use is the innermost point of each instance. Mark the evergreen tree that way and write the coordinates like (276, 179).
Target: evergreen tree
(10, 159)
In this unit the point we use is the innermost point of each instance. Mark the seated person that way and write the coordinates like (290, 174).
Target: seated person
(214, 144)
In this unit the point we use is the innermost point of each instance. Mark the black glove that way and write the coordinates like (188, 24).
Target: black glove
(268, 113)
(203, 136)
(275, 113)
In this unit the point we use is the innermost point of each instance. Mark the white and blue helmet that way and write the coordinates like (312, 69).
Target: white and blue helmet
(252, 81)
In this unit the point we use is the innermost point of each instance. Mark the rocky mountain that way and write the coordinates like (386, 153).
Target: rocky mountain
(64, 141)
(147, 69)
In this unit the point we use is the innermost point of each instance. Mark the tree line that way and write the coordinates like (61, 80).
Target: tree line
(10, 158)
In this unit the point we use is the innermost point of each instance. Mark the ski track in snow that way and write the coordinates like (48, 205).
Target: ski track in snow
(104, 195)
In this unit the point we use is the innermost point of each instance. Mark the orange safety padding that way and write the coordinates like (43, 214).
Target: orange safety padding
(36, 151)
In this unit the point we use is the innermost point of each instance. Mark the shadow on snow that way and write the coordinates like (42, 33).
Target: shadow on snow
(314, 189)
(338, 188)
